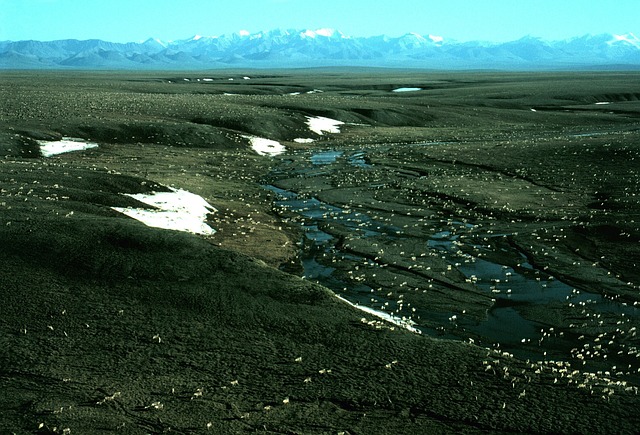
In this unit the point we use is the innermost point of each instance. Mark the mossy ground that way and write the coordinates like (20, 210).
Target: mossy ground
(112, 326)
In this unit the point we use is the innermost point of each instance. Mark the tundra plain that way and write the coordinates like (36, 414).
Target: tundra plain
(496, 215)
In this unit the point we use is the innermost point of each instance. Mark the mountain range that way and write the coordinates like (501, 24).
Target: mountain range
(325, 47)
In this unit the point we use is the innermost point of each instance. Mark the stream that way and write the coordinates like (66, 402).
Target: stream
(510, 289)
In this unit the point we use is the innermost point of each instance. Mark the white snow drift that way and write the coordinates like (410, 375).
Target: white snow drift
(406, 324)
(407, 90)
(266, 147)
(320, 124)
(67, 144)
(176, 210)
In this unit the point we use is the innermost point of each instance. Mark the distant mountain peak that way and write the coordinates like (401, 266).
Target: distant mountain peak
(628, 38)
(325, 32)
(154, 41)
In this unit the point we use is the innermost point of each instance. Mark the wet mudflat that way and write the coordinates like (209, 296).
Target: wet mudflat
(492, 219)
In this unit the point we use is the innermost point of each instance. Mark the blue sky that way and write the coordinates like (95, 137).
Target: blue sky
(463, 20)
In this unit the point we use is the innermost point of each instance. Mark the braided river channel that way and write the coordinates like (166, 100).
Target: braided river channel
(374, 233)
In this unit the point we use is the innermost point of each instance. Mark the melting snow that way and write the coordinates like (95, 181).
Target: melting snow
(407, 90)
(266, 147)
(406, 324)
(320, 124)
(176, 210)
(67, 144)
(303, 140)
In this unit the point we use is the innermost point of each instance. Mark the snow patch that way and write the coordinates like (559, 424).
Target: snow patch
(629, 38)
(303, 140)
(407, 90)
(603, 102)
(178, 210)
(308, 33)
(67, 144)
(266, 147)
(403, 323)
(320, 124)
(326, 32)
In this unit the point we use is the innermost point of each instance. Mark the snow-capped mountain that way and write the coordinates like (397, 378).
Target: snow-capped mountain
(628, 39)
(325, 47)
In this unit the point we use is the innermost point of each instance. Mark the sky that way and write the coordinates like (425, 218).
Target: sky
(462, 20)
